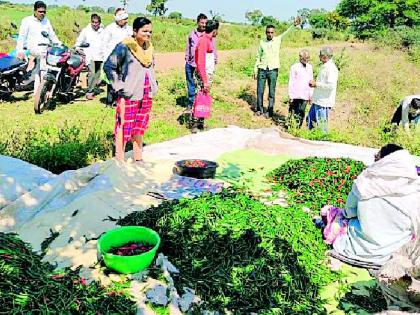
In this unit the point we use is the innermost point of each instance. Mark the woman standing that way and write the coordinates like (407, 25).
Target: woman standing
(130, 69)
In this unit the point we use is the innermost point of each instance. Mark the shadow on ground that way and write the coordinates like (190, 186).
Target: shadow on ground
(365, 297)
(182, 101)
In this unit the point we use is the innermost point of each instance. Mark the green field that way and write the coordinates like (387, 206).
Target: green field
(169, 35)
(77, 134)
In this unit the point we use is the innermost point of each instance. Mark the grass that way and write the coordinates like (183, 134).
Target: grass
(75, 135)
(169, 35)
(372, 80)
(369, 91)
(78, 134)
(368, 94)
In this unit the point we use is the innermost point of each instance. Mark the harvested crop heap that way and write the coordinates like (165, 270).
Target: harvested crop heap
(131, 249)
(29, 285)
(240, 255)
(316, 182)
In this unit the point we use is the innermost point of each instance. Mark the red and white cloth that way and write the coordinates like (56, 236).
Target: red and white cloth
(136, 115)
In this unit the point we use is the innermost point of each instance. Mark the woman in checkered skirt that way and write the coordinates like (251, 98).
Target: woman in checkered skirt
(130, 69)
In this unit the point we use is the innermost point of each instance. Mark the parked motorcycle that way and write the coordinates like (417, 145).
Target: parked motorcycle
(60, 71)
(12, 73)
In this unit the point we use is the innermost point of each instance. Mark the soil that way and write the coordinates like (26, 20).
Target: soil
(176, 60)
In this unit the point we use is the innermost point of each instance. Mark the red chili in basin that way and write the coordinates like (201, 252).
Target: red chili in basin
(131, 249)
(195, 163)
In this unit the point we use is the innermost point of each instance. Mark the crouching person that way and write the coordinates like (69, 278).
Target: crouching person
(130, 69)
(408, 112)
(382, 211)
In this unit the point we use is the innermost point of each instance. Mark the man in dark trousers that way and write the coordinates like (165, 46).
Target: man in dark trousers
(267, 66)
(190, 66)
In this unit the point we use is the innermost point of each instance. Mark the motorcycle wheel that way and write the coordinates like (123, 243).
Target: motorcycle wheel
(42, 97)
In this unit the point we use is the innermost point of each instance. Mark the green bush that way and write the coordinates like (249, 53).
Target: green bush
(6, 29)
(316, 182)
(29, 285)
(400, 37)
(240, 255)
(329, 34)
(58, 149)
(175, 15)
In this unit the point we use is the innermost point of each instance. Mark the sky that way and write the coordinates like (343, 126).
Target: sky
(232, 10)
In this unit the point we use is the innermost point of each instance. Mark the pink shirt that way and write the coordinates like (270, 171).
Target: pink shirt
(205, 45)
(299, 81)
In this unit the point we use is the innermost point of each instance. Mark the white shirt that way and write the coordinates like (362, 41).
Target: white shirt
(113, 35)
(326, 85)
(94, 39)
(405, 109)
(210, 63)
(30, 35)
(299, 78)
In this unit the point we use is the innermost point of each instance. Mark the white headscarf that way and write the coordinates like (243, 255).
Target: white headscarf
(393, 178)
(121, 15)
(393, 175)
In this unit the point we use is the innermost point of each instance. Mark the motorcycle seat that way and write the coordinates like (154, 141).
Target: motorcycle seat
(75, 61)
(8, 63)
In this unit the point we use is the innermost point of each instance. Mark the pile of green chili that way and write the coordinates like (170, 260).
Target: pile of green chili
(29, 285)
(240, 255)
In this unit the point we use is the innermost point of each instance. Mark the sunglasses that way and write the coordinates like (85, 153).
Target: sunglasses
(43, 11)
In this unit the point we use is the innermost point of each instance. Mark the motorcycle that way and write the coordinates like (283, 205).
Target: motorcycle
(12, 74)
(60, 72)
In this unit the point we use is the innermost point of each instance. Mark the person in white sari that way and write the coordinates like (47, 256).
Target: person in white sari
(383, 208)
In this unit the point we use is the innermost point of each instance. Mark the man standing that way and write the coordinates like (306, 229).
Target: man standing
(408, 112)
(190, 65)
(114, 34)
(206, 63)
(31, 37)
(267, 67)
(325, 91)
(92, 35)
(300, 93)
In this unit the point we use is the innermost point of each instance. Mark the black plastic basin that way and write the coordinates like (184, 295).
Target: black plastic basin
(192, 168)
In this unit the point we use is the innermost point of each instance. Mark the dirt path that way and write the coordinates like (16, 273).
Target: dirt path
(176, 60)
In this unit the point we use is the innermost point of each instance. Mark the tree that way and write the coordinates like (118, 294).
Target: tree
(111, 10)
(322, 19)
(269, 20)
(378, 14)
(157, 7)
(254, 17)
(317, 18)
(175, 15)
(97, 9)
(81, 7)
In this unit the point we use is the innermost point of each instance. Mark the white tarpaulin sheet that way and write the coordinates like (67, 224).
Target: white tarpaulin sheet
(78, 204)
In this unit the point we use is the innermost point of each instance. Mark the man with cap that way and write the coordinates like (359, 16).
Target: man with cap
(114, 34)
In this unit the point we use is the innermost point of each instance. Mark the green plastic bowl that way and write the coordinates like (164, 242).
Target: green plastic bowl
(121, 236)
